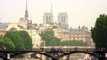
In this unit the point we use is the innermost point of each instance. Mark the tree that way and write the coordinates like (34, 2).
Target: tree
(54, 41)
(99, 32)
(73, 43)
(6, 44)
(49, 38)
(16, 39)
(26, 39)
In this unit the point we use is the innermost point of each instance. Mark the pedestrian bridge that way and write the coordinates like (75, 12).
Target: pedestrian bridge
(56, 52)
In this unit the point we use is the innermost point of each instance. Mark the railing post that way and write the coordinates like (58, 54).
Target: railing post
(102, 56)
(6, 56)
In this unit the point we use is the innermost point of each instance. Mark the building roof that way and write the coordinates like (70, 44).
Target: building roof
(79, 30)
(3, 26)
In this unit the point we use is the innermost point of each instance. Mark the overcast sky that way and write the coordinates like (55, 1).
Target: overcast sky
(80, 12)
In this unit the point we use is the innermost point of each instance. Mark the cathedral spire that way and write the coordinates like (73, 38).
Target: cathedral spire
(26, 12)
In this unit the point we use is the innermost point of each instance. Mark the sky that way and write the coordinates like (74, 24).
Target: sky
(80, 12)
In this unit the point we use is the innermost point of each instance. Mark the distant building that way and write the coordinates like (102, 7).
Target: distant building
(14, 26)
(82, 34)
(2, 33)
(47, 18)
(36, 39)
(63, 20)
(24, 21)
(3, 27)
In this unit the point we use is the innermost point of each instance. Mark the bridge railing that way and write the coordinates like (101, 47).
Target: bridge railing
(68, 48)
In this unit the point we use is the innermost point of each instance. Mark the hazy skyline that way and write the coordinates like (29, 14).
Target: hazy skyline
(80, 12)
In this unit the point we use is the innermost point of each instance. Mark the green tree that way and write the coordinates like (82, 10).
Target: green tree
(49, 38)
(16, 39)
(54, 41)
(73, 43)
(99, 32)
(6, 44)
(26, 39)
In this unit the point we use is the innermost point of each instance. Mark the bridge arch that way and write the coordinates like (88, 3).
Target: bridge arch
(64, 53)
(96, 55)
(16, 53)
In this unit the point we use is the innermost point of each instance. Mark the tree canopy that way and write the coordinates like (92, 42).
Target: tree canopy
(6, 44)
(99, 32)
(16, 40)
(49, 38)
(26, 39)
(73, 43)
